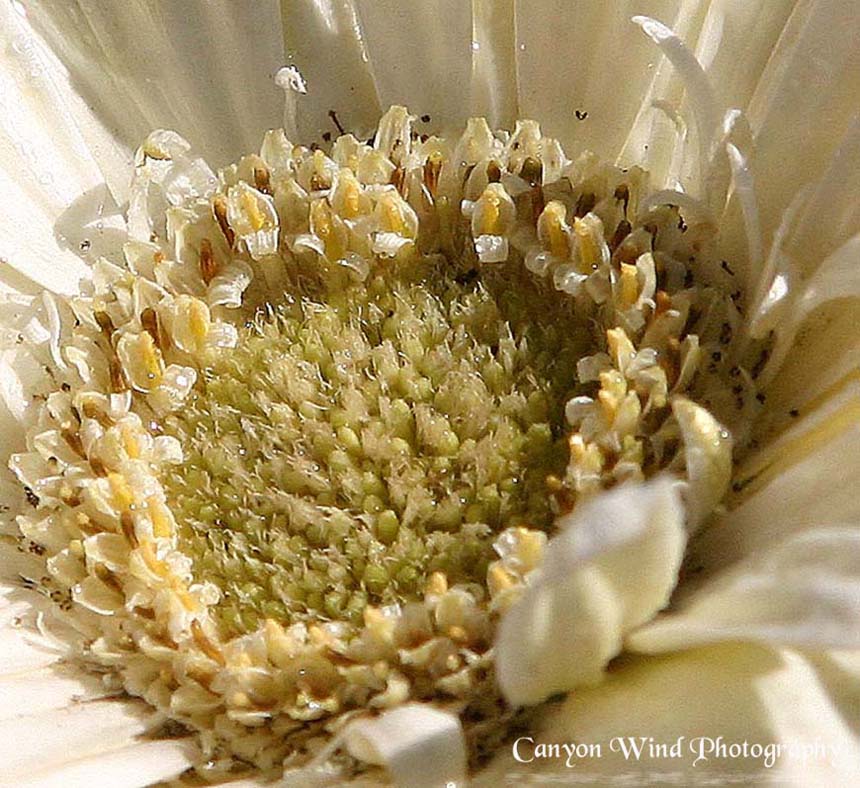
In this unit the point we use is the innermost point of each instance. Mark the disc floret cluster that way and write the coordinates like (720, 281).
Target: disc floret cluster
(308, 440)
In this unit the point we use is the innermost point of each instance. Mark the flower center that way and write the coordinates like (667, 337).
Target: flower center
(350, 447)
(310, 442)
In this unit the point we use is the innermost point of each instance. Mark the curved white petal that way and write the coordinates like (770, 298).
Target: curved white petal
(53, 196)
(802, 593)
(578, 79)
(653, 138)
(419, 746)
(139, 764)
(571, 619)
(814, 489)
(204, 69)
(744, 187)
(737, 692)
(432, 85)
(707, 455)
(700, 93)
(38, 746)
(835, 278)
(326, 42)
(804, 102)
(494, 86)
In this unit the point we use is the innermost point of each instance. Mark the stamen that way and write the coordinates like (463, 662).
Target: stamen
(699, 89)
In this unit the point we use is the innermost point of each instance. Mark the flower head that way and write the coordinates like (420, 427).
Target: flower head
(354, 450)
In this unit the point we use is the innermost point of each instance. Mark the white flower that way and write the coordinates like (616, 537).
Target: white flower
(736, 137)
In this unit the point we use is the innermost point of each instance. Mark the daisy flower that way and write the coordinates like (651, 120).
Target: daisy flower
(393, 389)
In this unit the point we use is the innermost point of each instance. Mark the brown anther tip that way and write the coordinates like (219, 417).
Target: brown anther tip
(219, 209)
(663, 302)
(432, 168)
(318, 183)
(398, 179)
(208, 266)
(334, 119)
(622, 192)
(565, 500)
(149, 321)
(538, 203)
(532, 171)
(584, 204)
(98, 466)
(72, 500)
(467, 172)
(73, 439)
(127, 523)
(105, 323)
(668, 362)
(262, 179)
(118, 383)
(107, 577)
(621, 232)
(494, 172)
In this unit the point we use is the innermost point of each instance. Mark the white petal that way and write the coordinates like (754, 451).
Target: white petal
(432, 84)
(44, 163)
(801, 593)
(419, 745)
(494, 89)
(30, 743)
(326, 42)
(708, 458)
(139, 764)
(835, 278)
(744, 188)
(787, 438)
(803, 104)
(652, 139)
(203, 69)
(46, 689)
(737, 692)
(700, 93)
(571, 620)
(815, 489)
